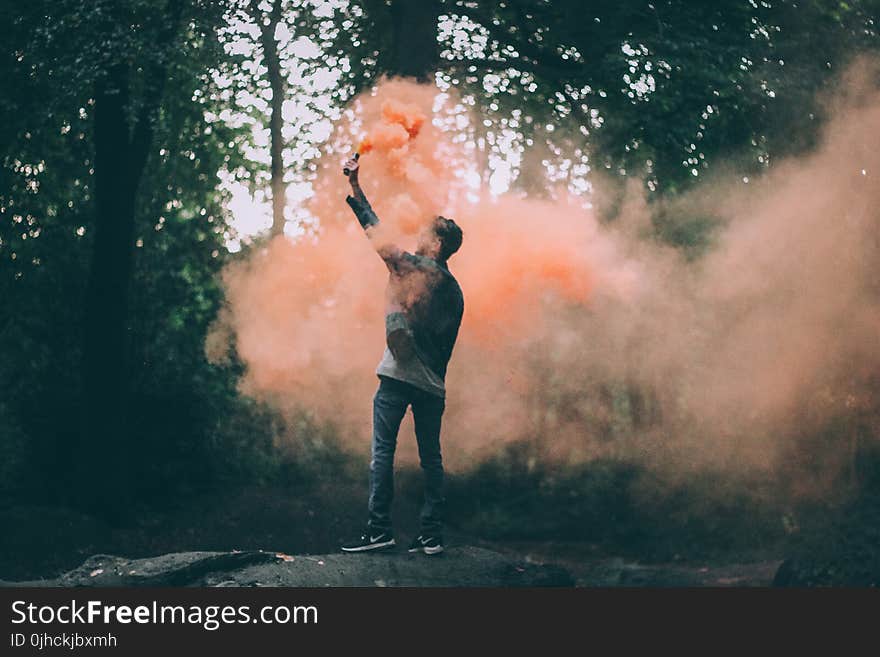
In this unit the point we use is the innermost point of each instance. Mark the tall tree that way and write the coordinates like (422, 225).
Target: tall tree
(268, 22)
(100, 72)
(414, 52)
(122, 142)
(399, 37)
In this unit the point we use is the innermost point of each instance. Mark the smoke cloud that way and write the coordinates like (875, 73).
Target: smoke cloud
(589, 339)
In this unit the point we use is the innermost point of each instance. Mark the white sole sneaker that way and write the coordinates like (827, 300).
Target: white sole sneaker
(433, 549)
(371, 546)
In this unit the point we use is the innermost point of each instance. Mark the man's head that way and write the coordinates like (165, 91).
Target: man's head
(441, 239)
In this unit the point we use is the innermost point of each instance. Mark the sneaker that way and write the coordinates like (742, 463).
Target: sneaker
(370, 540)
(427, 544)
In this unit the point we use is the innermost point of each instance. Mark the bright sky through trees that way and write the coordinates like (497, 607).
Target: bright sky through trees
(318, 88)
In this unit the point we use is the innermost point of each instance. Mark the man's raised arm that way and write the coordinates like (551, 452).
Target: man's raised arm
(357, 201)
(397, 260)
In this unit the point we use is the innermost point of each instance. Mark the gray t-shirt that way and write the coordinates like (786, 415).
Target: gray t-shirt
(413, 371)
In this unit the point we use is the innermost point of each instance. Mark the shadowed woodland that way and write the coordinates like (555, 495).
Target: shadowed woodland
(132, 130)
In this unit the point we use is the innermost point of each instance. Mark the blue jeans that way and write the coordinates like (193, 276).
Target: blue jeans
(389, 406)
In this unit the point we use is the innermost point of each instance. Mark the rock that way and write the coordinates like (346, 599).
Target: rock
(458, 566)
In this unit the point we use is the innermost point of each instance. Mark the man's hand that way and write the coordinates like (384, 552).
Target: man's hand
(350, 169)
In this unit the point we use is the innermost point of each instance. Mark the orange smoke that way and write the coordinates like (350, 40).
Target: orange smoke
(405, 176)
(308, 315)
(571, 325)
(399, 124)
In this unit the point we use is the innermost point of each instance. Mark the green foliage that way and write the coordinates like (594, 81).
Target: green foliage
(47, 211)
(694, 235)
(661, 90)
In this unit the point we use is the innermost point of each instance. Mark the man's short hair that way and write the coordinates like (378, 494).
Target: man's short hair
(450, 236)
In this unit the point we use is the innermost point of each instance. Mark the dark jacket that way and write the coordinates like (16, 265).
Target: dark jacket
(423, 291)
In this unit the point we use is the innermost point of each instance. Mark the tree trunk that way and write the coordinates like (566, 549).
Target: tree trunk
(106, 305)
(276, 120)
(414, 50)
(121, 150)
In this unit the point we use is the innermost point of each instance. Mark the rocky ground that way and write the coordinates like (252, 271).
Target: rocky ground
(459, 566)
(462, 565)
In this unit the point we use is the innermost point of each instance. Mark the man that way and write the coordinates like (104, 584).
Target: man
(424, 312)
